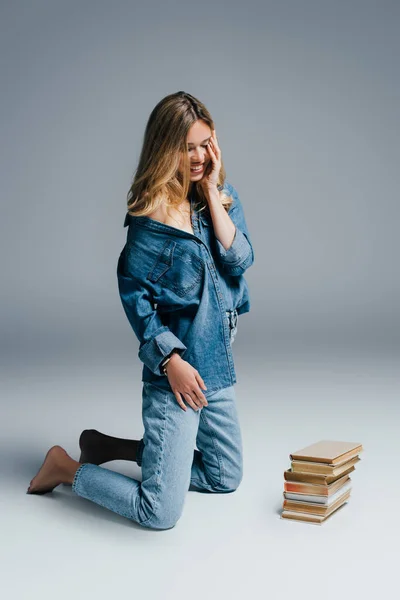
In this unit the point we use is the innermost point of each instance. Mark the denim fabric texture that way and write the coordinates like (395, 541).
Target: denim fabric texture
(233, 318)
(170, 463)
(180, 290)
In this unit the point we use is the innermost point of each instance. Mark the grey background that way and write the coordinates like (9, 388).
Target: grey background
(305, 98)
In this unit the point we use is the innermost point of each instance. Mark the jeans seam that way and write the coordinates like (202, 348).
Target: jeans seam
(139, 453)
(217, 452)
(76, 476)
(162, 438)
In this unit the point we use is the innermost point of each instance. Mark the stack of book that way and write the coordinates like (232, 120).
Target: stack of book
(318, 482)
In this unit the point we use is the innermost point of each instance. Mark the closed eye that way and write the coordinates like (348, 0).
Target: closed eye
(202, 145)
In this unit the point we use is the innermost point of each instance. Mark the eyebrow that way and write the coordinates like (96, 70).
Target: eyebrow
(206, 140)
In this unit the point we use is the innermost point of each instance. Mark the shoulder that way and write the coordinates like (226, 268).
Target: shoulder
(159, 214)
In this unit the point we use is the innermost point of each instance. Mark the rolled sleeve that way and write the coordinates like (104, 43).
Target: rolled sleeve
(153, 352)
(236, 251)
(240, 254)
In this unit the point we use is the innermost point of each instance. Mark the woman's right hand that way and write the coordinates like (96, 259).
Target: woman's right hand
(185, 381)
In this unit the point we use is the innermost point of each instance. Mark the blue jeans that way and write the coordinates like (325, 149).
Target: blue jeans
(232, 317)
(170, 464)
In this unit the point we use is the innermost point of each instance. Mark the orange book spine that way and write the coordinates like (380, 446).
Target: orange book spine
(302, 488)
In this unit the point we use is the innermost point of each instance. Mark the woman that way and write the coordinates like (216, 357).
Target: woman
(181, 283)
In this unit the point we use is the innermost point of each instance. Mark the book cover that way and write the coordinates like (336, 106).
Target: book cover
(310, 518)
(315, 509)
(322, 500)
(317, 467)
(328, 451)
(301, 487)
(318, 478)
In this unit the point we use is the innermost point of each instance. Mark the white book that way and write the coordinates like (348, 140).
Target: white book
(322, 500)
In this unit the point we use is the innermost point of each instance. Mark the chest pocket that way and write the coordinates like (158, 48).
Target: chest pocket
(177, 269)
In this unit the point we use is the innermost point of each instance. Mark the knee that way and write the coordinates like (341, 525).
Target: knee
(162, 517)
(232, 483)
(231, 480)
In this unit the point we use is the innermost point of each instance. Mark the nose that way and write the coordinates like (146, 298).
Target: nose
(199, 155)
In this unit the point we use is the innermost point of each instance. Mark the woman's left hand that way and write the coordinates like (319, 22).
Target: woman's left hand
(210, 179)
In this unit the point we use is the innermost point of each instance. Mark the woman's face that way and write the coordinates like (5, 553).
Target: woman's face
(196, 144)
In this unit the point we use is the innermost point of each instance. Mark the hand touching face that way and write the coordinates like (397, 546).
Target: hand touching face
(210, 178)
(199, 148)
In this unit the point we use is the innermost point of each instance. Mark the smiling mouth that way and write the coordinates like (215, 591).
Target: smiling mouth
(197, 168)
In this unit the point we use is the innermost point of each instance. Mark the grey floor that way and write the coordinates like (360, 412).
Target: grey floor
(224, 546)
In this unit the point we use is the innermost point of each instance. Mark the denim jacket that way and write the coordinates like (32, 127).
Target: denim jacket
(176, 289)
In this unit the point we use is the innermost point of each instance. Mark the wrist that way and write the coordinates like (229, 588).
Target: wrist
(212, 195)
(211, 191)
(171, 358)
(175, 356)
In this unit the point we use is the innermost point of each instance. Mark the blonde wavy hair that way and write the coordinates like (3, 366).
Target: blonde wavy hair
(157, 177)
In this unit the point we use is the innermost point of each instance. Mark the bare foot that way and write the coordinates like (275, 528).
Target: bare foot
(52, 472)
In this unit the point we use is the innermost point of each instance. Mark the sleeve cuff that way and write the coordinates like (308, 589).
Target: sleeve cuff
(237, 250)
(153, 352)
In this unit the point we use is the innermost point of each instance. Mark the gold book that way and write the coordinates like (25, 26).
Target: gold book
(328, 451)
(309, 518)
(302, 466)
(315, 509)
(313, 489)
(318, 478)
